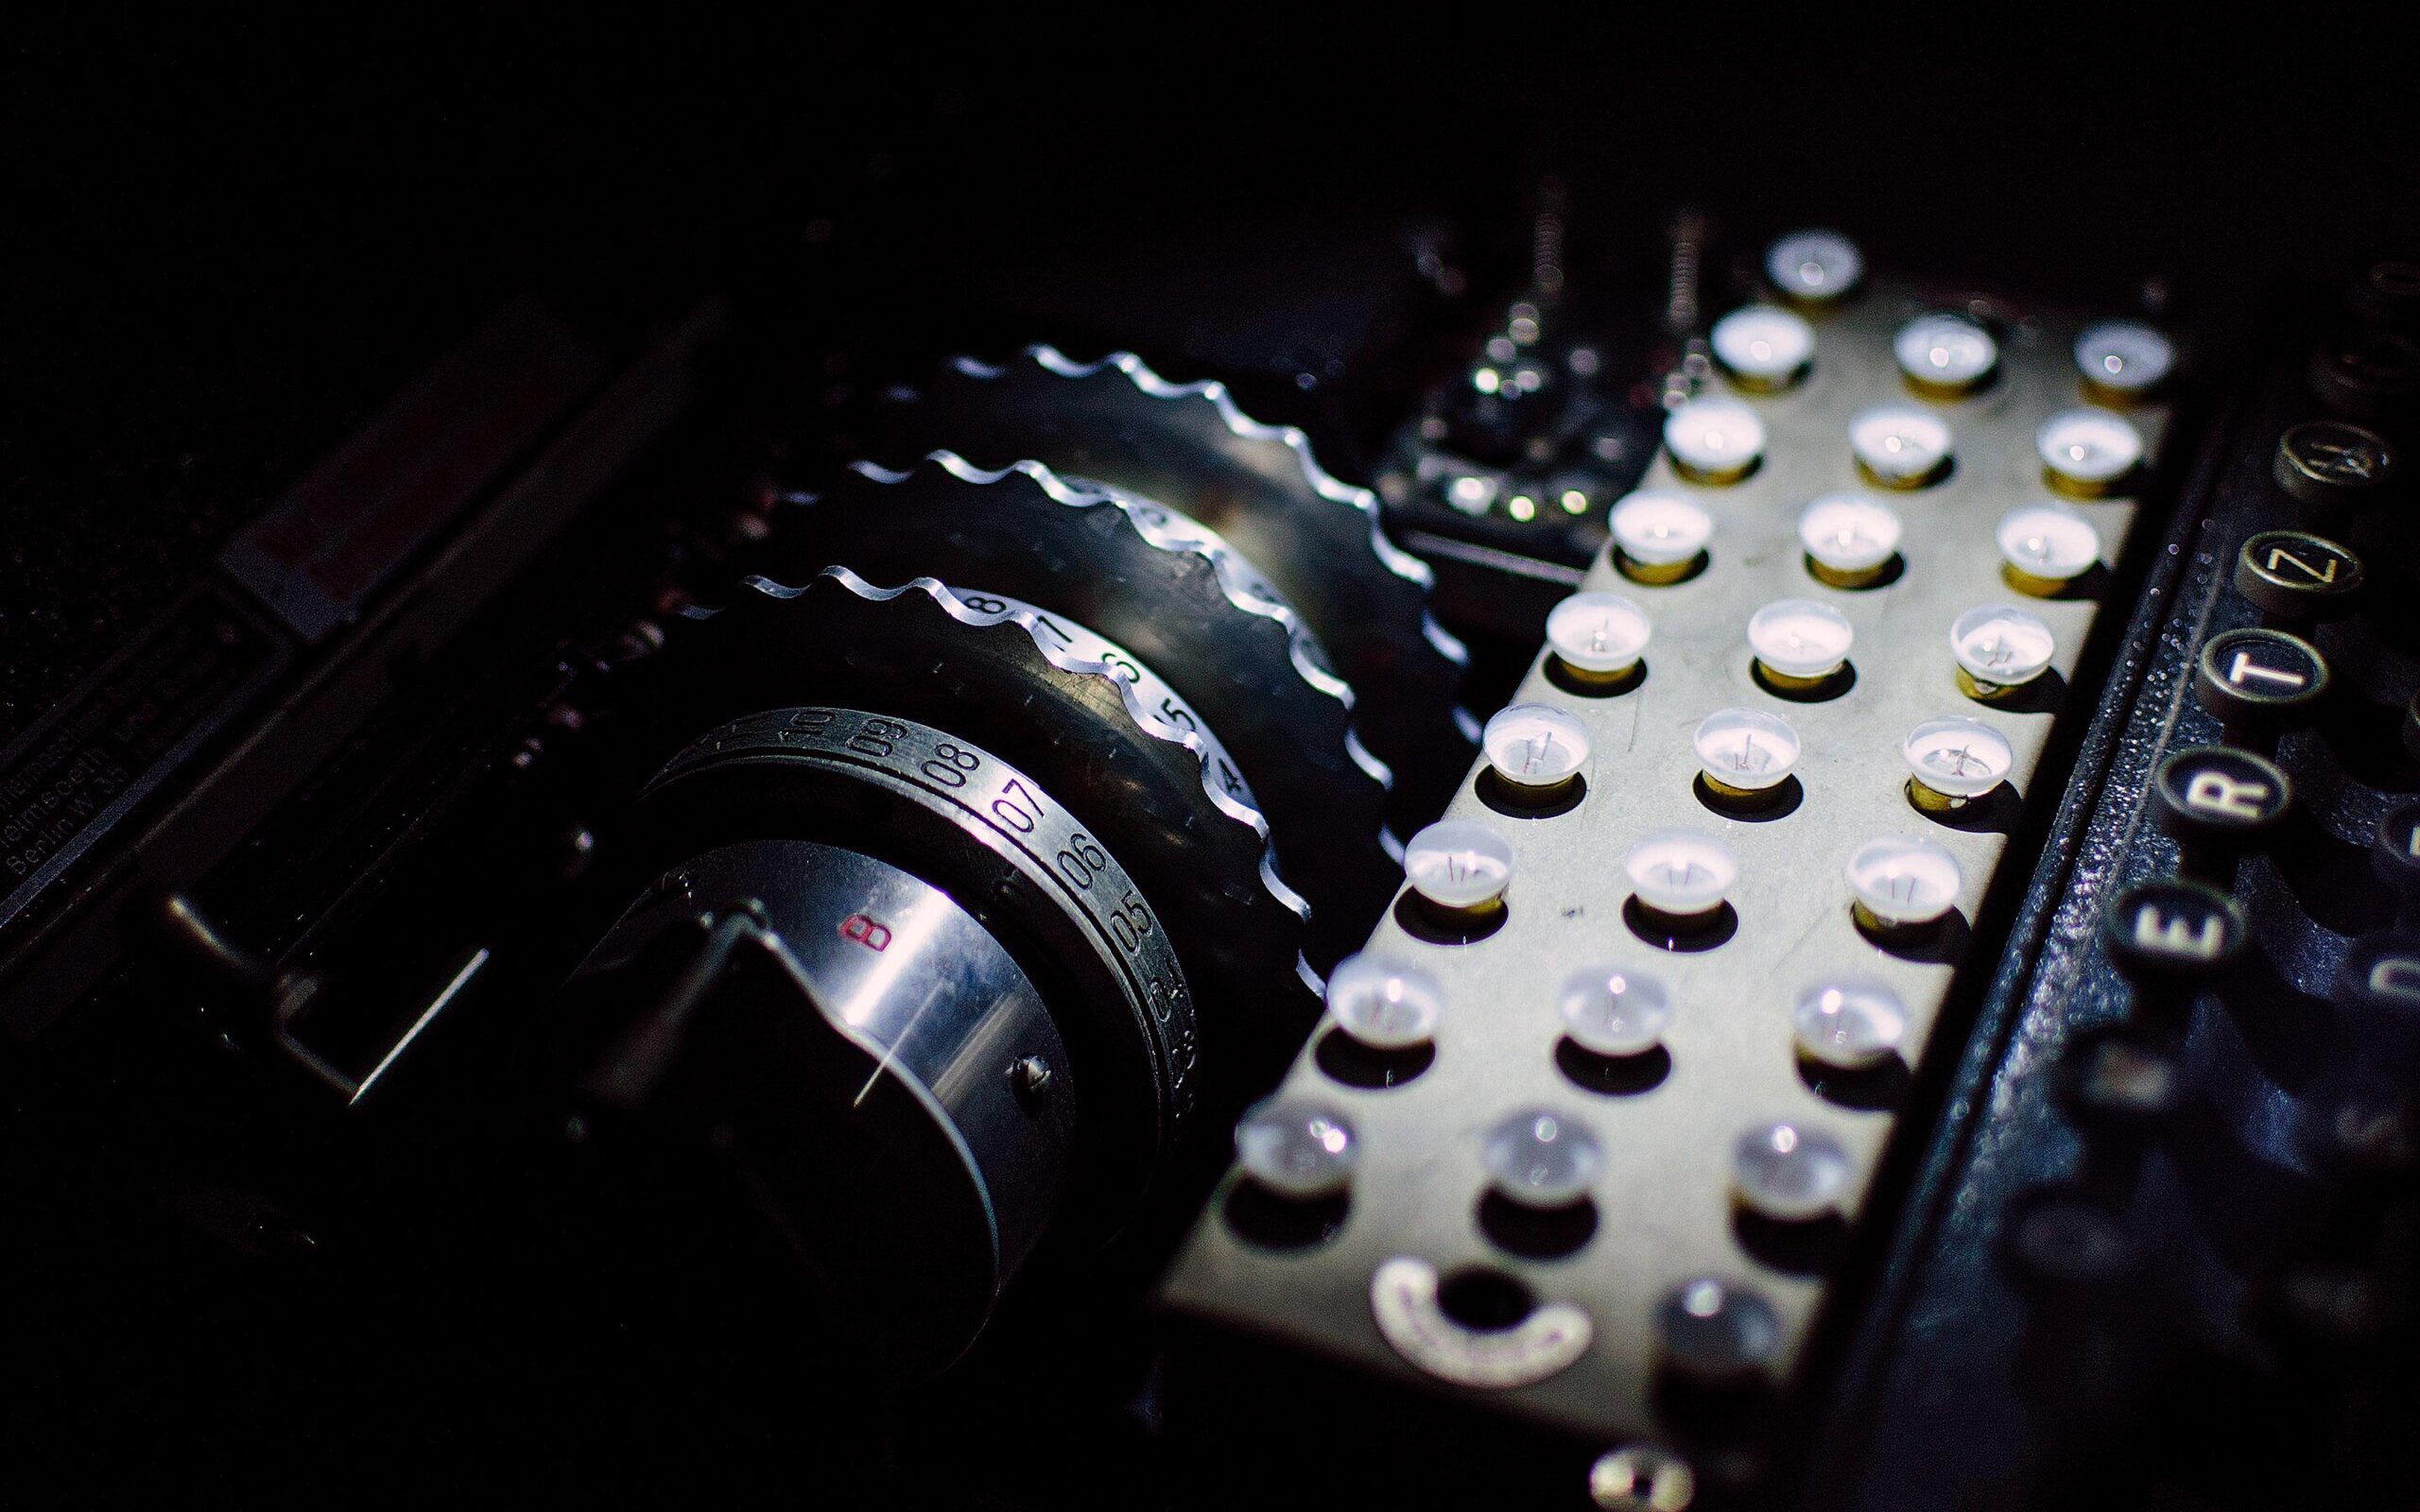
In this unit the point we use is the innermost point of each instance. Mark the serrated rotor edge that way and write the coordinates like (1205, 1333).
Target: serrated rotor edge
(1323, 483)
(1226, 566)
(940, 593)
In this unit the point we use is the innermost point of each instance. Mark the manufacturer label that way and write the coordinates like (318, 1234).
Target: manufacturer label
(63, 783)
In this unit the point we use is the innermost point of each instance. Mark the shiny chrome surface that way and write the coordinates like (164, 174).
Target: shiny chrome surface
(896, 966)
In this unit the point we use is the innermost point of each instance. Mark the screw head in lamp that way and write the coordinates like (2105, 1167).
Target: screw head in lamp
(1763, 348)
(1945, 356)
(1714, 441)
(1814, 267)
(1799, 642)
(1744, 752)
(1459, 866)
(1849, 538)
(1680, 873)
(1641, 1478)
(1848, 1026)
(1541, 1158)
(1789, 1173)
(1658, 536)
(2122, 361)
(1899, 882)
(1614, 1010)
(2087, 452)
(1597, 636)
(2046, 547)
(1383, 1005)
(1296, 1148)
(1534, 746)
(1999, 648)
(1954, 760)
(1899, 446)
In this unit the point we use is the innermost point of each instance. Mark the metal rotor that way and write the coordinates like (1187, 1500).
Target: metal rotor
(1182, 603)
(1116, 422)
(1000, 678)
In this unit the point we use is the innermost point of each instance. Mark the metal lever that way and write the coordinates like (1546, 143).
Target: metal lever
(284, 997)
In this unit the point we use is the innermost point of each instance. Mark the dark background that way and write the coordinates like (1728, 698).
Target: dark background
(227, 239)
(228, 243)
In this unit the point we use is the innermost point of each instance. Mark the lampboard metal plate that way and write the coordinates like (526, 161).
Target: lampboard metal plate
(1663, 1199)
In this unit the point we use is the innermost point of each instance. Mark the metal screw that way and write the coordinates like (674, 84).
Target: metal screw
(1030, 1076)
(1641, 1478)
(579, 844)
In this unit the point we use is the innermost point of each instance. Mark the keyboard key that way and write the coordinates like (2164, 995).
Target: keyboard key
(2059, 1239)
(2394, 853)
(2377, 988)
(2114, 1077)
(2171, 930)
(2259, 679)
(2300, 577)
(2381, 974)
(2373, 374)
(2219, 794)
(2359, 1120)
(2333, 466)
(2388, 292)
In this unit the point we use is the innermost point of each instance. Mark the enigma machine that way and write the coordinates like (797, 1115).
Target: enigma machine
(1558, 835)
